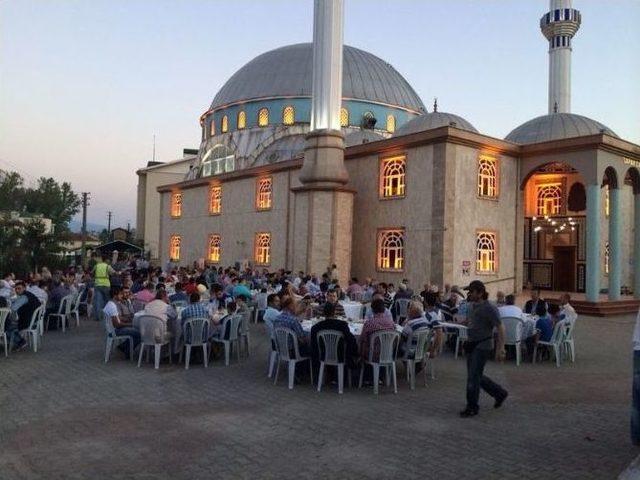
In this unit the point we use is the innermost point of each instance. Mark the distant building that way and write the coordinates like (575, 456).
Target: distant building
(16, 216)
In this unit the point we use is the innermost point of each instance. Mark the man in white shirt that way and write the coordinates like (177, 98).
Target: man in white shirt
(565, 308)
(510, 309)
(37, 288)
(160, 307)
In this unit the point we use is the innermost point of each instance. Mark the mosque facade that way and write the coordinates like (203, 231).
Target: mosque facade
(425, 196)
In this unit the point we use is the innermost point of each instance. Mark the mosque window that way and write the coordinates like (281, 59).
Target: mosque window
(487, 177)
(344, 117)
(212, 128)
(486, 252)
(391, 123)
(263, 117)
(242, 120)
(176, 205)
(224, 124)
(214, 248)
(607, 253)
(262, 254)
(215, 199)
(392, 177)
(606, 202)
(549, 199)
(391, 249)
(288, 115)
(264, 193)
(174, 247)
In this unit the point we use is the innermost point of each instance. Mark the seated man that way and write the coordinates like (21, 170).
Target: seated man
(180, 295)
(449, 308)
(125, 306)
(288, 318)
(272, 312)
(122, 327)
(416, 320)
(159, 307)
(545, 322)
(380, 320)
(500, 299)
(566, 309)
(532, 305)
(510, 309)
(218, 299)
(195, 309)
(354, 288)
(332, 323)
(22, 307)
(147, 294)
(332, 298)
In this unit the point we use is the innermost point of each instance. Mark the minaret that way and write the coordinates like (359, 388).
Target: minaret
(323, 219)
(559, 26)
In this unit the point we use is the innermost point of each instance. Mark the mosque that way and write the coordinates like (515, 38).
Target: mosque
(319, 153)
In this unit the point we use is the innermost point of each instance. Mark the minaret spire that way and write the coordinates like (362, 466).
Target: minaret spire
(559, 26)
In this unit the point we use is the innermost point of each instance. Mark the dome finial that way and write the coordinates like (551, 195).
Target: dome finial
(435, 104)
(555, 107)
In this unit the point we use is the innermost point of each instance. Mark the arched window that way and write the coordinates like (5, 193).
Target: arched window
(215, 199)
(263, 193)
(549, 199)
(242, 120)
(263, 117)
(224, 124)
(176, 205)
(486, 252)
(607, 253)
(392, 177)
(262, 248)
(606, 201)
(212, 127)
(391, 249)
(288, 115)
(174, 247)
(214, 248)
(344, 117)
(391, 123)
(487, 177)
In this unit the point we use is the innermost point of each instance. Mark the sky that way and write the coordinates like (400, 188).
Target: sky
(86, 84)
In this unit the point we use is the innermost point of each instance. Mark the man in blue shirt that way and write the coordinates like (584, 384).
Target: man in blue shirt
(288, 319)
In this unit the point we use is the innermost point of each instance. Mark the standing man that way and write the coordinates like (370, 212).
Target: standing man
(483, 317)
(102, 284)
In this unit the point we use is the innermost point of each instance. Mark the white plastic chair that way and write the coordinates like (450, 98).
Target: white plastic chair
(63, 313)
(513, 335)
(4, 314)
(33, 331)
(153, 332)
(555, 343)
(568, 341)
(260, 306)
(195, 335)
(273, 355)
(232, 337)
(463, 336)
(388, 340)
(87, 304)
(75, 307)
(401, 306)
(113, 339)
(289, 352)
(330, 342)
(243, 331)
(411, 358)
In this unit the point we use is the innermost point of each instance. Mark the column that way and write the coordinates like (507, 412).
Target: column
(592, 282)
(615, 244)
(636, 245)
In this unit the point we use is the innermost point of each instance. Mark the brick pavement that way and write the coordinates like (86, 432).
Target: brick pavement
(64, 414)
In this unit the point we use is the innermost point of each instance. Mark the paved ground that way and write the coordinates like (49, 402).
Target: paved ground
(64, 414)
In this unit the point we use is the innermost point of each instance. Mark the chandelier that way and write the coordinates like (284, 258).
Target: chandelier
(550, 225)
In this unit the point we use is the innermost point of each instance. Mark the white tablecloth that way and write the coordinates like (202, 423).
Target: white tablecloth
(528, 325)
(354, 327)
(352, 310)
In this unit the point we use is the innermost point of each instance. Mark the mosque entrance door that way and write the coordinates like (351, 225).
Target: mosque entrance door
(564, 268)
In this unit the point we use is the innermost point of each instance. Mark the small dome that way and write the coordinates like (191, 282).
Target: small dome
(429, 121)
(556, 126)
(362, 136)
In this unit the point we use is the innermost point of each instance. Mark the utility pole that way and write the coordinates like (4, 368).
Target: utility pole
(109, 217)
(83, 249)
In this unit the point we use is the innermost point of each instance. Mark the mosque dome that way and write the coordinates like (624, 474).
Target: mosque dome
(556, 126)
(428, 121)
(287, 72)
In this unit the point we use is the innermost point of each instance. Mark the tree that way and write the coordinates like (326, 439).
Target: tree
(11, 191)
(55, 201)
(40, 245)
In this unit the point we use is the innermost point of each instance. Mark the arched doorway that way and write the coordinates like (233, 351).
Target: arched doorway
(555, 207)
